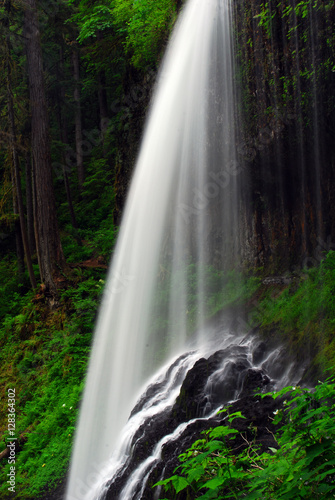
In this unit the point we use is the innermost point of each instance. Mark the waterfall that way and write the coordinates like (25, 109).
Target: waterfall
(181, 233)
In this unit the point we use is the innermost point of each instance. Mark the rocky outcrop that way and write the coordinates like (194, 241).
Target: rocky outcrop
(229, 374)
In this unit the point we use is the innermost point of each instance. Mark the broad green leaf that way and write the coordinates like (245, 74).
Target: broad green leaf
(222, 431)
(179, 483)
(214, 483)
(195, 474)
(320, 477)
(326, 488)
(237, 414)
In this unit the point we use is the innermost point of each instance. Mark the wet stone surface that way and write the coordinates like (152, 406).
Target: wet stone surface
(209, 385)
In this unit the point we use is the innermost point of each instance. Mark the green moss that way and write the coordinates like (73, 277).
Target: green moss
(303, 313)
(44, 356)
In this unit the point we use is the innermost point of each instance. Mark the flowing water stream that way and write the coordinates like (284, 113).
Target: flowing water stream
(230, 359)
(182, 230)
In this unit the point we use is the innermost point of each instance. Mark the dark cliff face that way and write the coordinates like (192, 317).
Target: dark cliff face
(285, 148)
(286, 54)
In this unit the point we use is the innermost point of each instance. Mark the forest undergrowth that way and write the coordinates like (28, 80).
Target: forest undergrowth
(45, 351)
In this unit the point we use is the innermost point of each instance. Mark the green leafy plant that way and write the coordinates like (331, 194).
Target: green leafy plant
(208, 465)
(304, 310)
(44, 355)
(303, 466)
(148, 25)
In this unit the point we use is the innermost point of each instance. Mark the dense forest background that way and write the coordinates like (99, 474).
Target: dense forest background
(76, 81)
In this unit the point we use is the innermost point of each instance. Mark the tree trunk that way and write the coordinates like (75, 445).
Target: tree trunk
(78, 123)
(18, 237)
(102, 97)
(16, 169)
(30, 205)
(102, 103)
(50, 251)
(17, 178)
(64, 139)
(33, 177)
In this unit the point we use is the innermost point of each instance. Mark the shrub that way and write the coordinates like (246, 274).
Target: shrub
(303, 466)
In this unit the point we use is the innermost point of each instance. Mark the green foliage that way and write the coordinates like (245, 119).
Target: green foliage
(290, 36)
(72, 251)
(45, 455)
(268, 11)
(13, 288)
(94, 213)
(265, 17)
(304, 311)
(303, 466)
(207, 465)
(92, 17)
(144, 26)
(147, 26)
(84, 299)
(44, 355)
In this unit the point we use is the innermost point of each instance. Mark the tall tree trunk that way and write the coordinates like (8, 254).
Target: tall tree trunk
(17, 176)
(102, 97)
(30, 205)
(16, 167)
(33, 178)
(103, 108)
(50, 251)
(77, 117)
(64, 139)
(18, 237)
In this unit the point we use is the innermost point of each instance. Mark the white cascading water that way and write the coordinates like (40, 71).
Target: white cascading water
(181, 229)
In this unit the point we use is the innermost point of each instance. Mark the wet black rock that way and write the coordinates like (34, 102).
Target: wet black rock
(207, 387)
